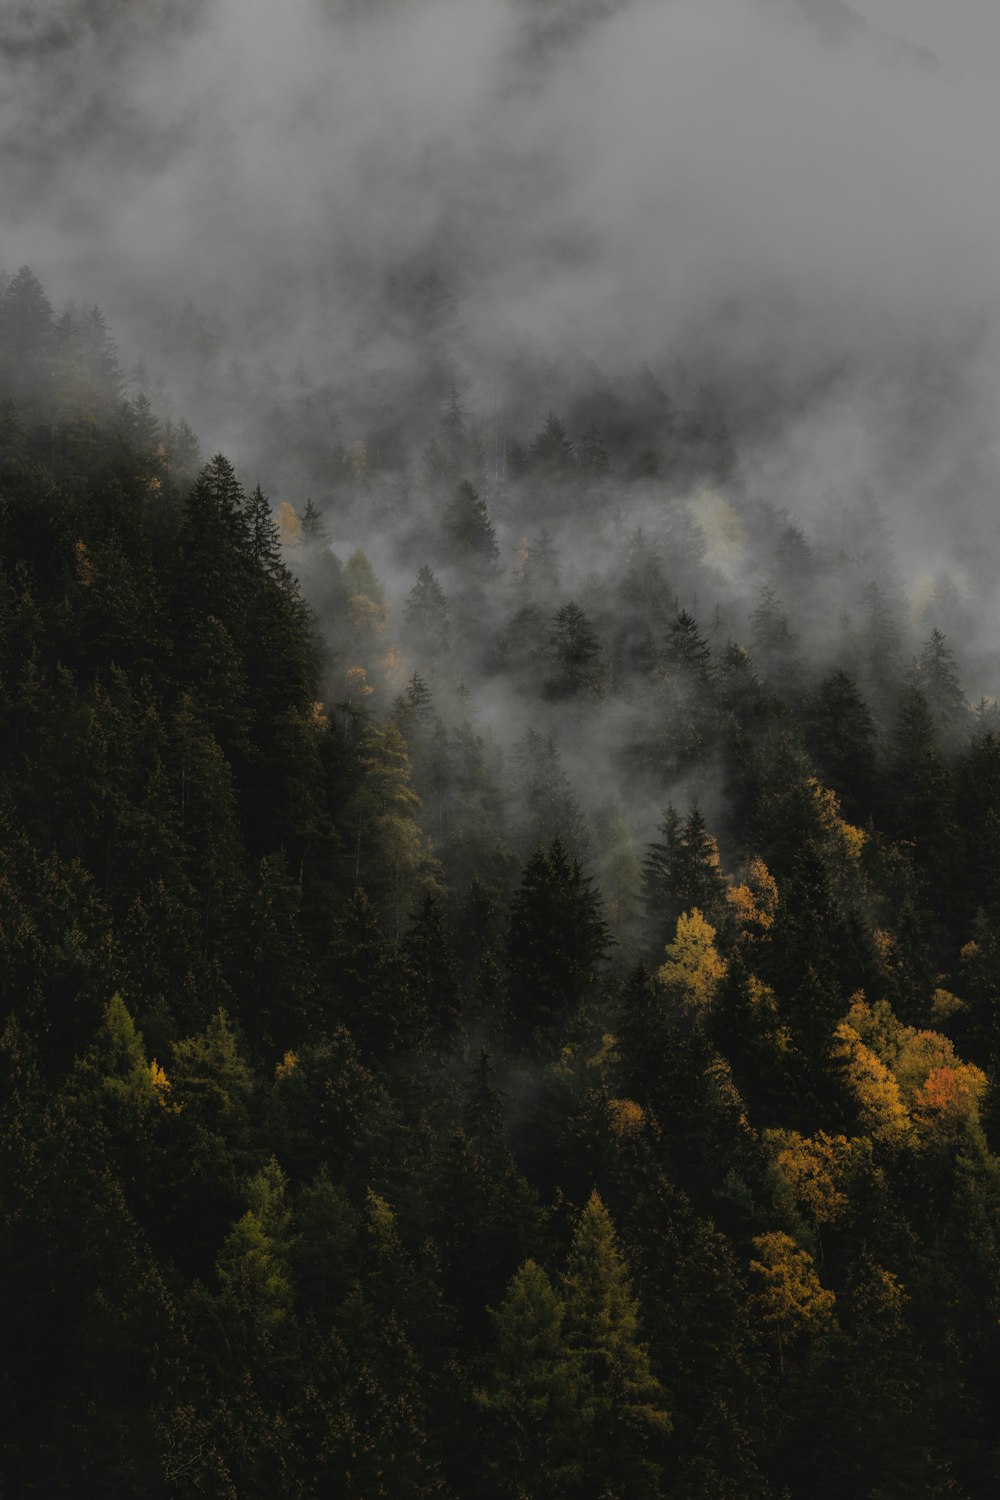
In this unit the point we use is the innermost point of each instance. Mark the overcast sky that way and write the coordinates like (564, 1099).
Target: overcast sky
(755, 187)
(965, 34)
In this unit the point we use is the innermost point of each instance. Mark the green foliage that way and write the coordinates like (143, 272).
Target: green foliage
(469, 530)
(556, 940)
(308, 1036)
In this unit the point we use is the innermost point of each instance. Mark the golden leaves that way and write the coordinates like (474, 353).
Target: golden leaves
(85, 570)
(693, 967)
(816, 1170)
(755, 901)
(625, 1117)
(789, 1298)
(289, 525)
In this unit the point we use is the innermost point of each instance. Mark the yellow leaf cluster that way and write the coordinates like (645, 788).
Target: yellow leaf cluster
(945, 1005)
(885, 947)
(605, 1052)
(909, 1083)
(625, 1116)
(845, 836)
(289, 525)
(789, 1298)
(368, 614)
(816, 1171)
(85, 570)
(880, 1105)
(693, 967)
(948, 1102)
(162, 1089)
(755, 901)
(357, 683)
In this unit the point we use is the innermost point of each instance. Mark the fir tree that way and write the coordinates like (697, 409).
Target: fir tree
(469, 530)
(556, 940)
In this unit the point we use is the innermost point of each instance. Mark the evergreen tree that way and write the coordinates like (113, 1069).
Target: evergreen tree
(469, 530)
(625, 1403)
(937, 678)
(592, 454)
(556, 941)
(546, 808)
(535, 1401)
(681, 871)
(841, 740)
(427, 616)
(687, 654)
(574, 651)
(433, 983)
(551, 452)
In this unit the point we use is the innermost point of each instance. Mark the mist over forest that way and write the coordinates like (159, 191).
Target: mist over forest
(500, 813)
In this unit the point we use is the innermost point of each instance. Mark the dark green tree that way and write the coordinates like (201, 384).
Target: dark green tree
(557, 939)
(469, 530)
(427, 616)
(574, 652)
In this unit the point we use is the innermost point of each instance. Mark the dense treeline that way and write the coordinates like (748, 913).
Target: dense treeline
(391, 1108)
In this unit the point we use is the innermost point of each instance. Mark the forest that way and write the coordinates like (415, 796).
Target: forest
(500, 776)
(499, 957)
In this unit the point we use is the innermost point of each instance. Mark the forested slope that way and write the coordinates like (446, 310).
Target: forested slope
(526, 1029)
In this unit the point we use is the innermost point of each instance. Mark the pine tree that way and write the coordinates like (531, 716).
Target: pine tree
(681, 871)
(574, 651)
(841, 738)
(427, 616)
(593, 456)
(937, 678)
(314, 528)
(388, 850)
(551, 452)
(27, 334)
(627, 1404)
(433, 984)
(687, 654)
(545, 805)
(534, 1404)
(918, 791)
(556, 940)
(469, 530)
(215, 548)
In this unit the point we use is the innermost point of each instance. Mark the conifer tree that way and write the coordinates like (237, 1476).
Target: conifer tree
(535, 1403)
(937, 677)
(427, 616)
(556, 940)
(593, 456)
(687, 653)
(625, 1402)
(574, 651)
(551, 452)
(469, 530)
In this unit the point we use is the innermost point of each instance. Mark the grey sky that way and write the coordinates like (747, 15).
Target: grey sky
(798, 210)
(965, 34)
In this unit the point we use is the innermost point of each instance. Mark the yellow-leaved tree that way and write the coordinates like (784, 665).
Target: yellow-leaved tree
(693, 966)
(788, 1298)
(754, 901)
(909, 1083)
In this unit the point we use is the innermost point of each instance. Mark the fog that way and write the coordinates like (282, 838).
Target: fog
(772, 193)
(780, 209)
